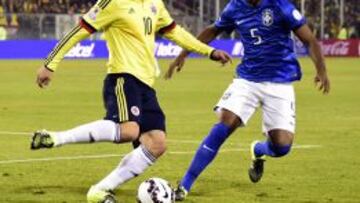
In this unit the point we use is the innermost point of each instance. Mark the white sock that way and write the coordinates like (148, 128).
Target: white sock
(132, 165)
(97, 131)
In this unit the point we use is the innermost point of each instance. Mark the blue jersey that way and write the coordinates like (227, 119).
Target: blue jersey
(265, 31)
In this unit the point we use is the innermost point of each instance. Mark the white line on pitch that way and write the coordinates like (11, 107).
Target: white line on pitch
(104, 156)
(60, 158)
(14, 133)
(168, 140)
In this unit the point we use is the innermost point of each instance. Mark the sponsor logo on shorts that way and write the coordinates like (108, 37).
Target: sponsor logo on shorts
(135, 111)
(226, 96)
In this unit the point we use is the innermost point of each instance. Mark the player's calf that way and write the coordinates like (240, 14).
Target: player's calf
(208, 150)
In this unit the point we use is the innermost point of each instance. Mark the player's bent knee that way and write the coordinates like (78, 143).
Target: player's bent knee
(155, 142)
(281, 142)
(159, 148)
(281, 137)
(281, 150)
(129, 131)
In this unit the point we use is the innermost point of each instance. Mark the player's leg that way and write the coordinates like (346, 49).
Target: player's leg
(133, 164)
(151, 144)
(237, 105)
(97, 131)
(278, 125)
(107, 130)
(208, 150)
(277, 145)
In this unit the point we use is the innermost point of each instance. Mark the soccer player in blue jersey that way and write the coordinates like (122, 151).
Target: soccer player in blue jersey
(264, 79)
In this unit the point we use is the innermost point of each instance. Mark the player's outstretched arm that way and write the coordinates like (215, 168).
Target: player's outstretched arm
(191, 44)
(206, 36)
(45, 73)
(305, 34)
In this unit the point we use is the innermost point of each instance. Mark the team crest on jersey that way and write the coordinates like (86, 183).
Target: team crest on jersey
(93, 13)
(153, 8)
(268, 17)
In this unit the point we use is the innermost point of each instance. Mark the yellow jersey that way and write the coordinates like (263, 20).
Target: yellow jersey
(129, 27)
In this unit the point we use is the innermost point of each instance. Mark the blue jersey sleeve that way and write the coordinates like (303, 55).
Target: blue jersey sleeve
(293, 18)
(226, 22)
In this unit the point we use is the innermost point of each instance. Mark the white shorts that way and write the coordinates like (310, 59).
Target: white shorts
(277, 101)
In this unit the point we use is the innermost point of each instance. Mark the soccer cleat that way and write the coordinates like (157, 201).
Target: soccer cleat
(99, 196)
(180, 193)
(256, 169)
(41, 139)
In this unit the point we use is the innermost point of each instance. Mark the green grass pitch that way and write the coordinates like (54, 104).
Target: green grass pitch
(325, 167)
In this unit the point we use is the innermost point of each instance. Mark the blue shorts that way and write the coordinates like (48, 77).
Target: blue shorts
(126, 98)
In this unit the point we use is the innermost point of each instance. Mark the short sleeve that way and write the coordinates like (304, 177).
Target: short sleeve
(293, 18)
(164, 18)
(101, 14)
(225, 21)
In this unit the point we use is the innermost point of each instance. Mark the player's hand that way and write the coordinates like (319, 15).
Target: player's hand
(44, 76)
(221, 56)
(322, 82)
(177, 65)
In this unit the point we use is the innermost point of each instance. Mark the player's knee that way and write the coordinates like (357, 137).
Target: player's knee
(159, 148)
(129, 131)
(155, 142)
(281, 137)
(281, 150)
(230, 119)
(281, 142)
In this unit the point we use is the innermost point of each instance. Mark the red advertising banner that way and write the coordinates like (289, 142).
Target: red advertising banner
(335, 47)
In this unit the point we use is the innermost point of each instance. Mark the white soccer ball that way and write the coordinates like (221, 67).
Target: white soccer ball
(155, 190)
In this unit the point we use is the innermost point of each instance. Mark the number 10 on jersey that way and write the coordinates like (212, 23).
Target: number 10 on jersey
(147, 25)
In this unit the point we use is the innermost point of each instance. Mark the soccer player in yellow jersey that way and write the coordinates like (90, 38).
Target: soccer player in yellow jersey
(133, 113)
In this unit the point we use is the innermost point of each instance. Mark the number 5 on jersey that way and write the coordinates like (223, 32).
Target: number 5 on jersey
(256, 36)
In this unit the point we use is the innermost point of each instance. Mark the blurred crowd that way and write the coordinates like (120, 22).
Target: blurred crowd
(46, 6)
(25, 19)
(17, 16)
(333, 27)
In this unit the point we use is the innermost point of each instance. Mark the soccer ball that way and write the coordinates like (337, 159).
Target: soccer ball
(155, 190)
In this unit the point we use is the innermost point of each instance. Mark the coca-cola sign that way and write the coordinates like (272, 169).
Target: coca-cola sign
(341, 47)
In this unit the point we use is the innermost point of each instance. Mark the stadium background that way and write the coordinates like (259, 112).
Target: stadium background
(323, 167)
(50, 20)
(39, 19)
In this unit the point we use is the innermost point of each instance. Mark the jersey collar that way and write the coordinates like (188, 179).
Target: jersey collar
(246, 2)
